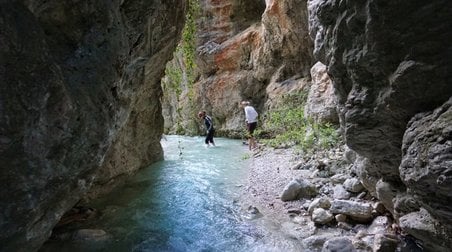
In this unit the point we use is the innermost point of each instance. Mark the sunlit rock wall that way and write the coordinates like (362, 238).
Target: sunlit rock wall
(390, 60)
(79, 103)
(253, 50)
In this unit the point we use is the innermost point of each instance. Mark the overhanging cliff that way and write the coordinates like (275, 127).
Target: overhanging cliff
(79, 103)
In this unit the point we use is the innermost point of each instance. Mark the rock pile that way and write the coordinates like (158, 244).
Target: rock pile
(321, 202)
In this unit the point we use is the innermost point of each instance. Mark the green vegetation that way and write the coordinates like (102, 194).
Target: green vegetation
(181, 72)
(187, 46)
(286, 126)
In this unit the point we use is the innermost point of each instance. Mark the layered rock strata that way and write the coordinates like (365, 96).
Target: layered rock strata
(79, 103)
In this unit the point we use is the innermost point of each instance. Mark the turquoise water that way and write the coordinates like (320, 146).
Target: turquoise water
(188, 202)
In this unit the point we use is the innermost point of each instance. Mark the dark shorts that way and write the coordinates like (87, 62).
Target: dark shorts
(251, 127)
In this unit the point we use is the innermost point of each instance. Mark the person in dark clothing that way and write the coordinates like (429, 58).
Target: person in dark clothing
(209, 126)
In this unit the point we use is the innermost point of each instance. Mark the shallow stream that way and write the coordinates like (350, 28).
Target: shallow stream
(188, 202)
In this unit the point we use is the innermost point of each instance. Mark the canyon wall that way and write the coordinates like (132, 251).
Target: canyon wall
(389, 61)
(246, 50)
(79, 103)
(390, 67)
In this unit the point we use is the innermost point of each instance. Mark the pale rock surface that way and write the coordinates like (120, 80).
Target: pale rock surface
(321, 103)
(321, 216)
(356, 210)
(353, 185)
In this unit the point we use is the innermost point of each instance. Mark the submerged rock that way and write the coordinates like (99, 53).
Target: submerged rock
(95, 235)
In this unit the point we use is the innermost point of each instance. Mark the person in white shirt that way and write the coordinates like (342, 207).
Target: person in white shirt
(251, 122)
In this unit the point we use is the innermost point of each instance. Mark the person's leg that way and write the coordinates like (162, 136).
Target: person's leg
(252, 140)
(210, 136)
(206, 141)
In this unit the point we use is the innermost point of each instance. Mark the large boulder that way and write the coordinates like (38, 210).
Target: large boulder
(79, 103)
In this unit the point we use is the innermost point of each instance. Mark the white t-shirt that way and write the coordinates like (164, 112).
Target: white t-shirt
(250, 114)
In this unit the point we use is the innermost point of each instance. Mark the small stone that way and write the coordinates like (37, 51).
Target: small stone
(90, 235)
(253, 210)
(356, 210)
(384, 243)
(338, 178)
(353, 185)
(361, 195)
(294, 211)
(340, 192)
(323, 202)
(344, 226)
(339, 244)
(321, 216)
(341, 217)
(379, 207)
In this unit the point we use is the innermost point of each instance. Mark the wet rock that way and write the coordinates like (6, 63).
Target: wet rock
(356, 210)
(340, 192)
(252, 213)
(253, 210)
(339, 244)
(321, 216)
(297, 189)
(94, 235)
(353, 185)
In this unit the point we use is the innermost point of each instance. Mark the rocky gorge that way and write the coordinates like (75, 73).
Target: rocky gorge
(85, 92)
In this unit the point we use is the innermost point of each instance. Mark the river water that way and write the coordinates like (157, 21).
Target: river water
(188, 202)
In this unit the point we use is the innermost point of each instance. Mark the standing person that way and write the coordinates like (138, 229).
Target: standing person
(210, 129)
(251, 122)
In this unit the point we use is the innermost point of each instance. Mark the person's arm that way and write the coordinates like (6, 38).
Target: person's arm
(209, 122)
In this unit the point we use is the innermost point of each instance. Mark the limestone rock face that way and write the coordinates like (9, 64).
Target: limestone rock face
(390, 60)
(253, 50)
(79, 103)
(427, 161)
(386, 67)
(321, 103)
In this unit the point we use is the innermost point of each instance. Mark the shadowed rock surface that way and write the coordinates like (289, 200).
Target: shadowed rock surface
(79, 103)
(390, 60)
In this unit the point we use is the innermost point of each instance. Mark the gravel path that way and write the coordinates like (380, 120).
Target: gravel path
(269, 173)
